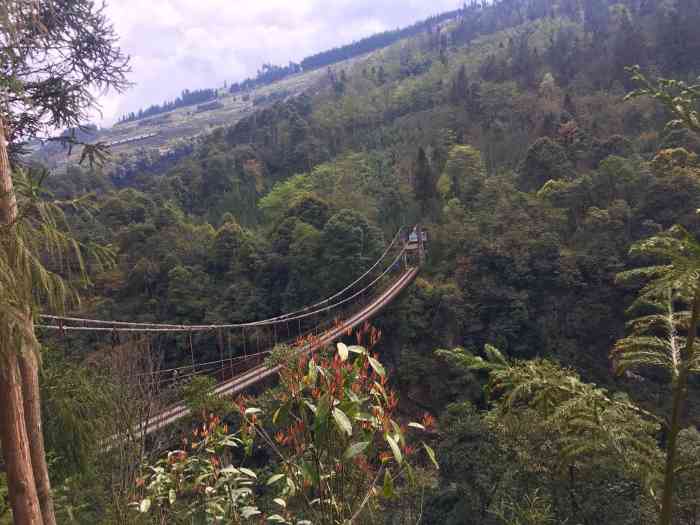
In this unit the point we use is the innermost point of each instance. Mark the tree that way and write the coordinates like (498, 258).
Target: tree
(458, 90)
(545, 160)
(680, 256)
(674, 279)
(472, 468)
(464, 174)
(424, 183)
(678, 97)
(57, 53)
(563, 54)
(350, 243)
(226, 247)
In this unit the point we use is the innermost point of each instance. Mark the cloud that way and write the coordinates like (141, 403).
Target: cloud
(194, 44)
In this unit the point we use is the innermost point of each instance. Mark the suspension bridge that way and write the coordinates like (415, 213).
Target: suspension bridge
(317, 325)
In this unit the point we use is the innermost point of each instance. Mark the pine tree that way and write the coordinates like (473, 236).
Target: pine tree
(62, 52)
(459, 85)
(424, 185)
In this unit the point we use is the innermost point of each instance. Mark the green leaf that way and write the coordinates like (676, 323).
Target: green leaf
(410, 475)
(276, 518)
(311, 473)
(495, 356)
(357, 349)
(248, 472)
(431, 455)
(342, 421)
(292, 487)
(322, 409)
(274, 479)
(247, 512)
(251, 411)
(388, 488)
(313, 372)
(342, 351)
(355, 449)
(395, 448)
(377, 366)
(172, 496)
(398, 435)
(145, 505)
(413, 424)
(280, 502)
(364, 416)
(200, 479)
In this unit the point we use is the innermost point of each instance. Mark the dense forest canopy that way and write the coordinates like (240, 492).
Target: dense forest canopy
(545, 351)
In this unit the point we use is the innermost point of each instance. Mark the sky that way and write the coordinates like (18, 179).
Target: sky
(195, 44)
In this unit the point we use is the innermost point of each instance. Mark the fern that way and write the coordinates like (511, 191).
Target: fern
(664, 335)
(591, 425)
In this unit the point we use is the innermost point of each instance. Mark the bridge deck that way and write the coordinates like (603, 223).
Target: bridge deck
(258, 373)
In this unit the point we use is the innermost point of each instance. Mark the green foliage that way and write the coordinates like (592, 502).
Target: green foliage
(655, 340)
(677, 253)
(332, 432)
(688, 474)
(275, 204)
(350, 243)
(200, 400)
(676, 276)
(463, 175)
(679, 97)
(545, 160)
(532, 510)
(336, 437)
(200, 483)
(74, 412)
(592, 425)
(527, 228)
(471, 466)
(25, 282)
(4, 507)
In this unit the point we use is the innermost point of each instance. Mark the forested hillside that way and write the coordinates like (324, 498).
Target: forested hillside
(529, 346)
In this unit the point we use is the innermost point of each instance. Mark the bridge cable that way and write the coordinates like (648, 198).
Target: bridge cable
(164, 327)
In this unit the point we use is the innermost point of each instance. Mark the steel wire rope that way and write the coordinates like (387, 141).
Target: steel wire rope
(184, 328)
(207, 328)
(184, 367)
(208, 366)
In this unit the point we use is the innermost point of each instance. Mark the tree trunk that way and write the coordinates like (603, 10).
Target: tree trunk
(29, 368)
(20, 409)
(8, 201)
(679, 392)
(15, 443)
